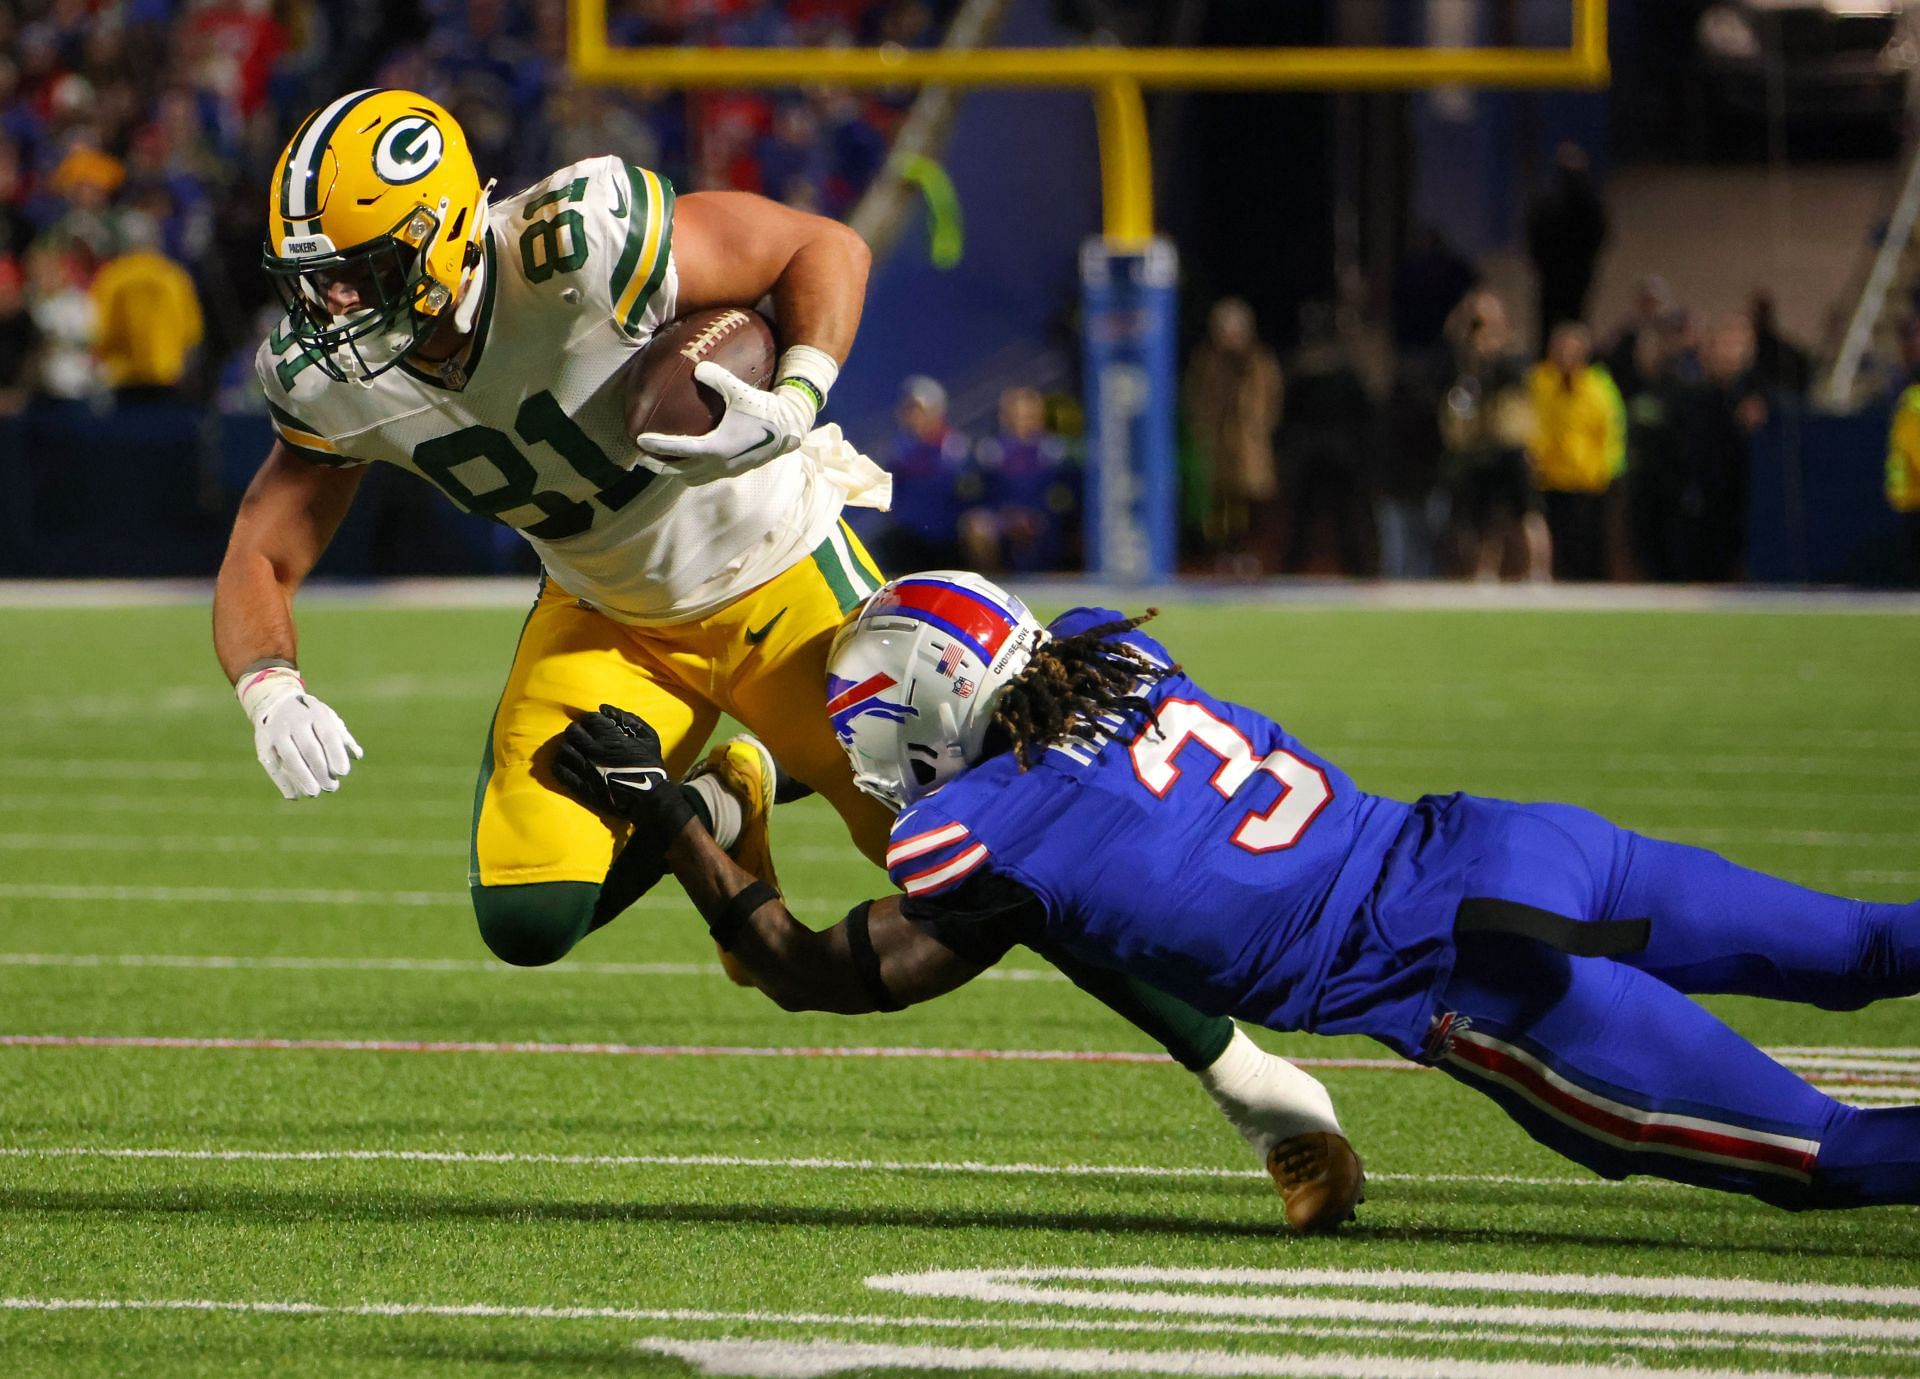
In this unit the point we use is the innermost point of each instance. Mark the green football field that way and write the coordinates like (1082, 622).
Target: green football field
(268, 1108)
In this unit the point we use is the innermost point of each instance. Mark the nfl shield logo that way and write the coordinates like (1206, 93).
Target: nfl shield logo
(962, 686)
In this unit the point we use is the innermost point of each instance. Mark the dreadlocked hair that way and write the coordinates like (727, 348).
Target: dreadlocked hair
(1069, 686)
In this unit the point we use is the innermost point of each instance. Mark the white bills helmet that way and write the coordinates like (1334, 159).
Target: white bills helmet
(912, 680)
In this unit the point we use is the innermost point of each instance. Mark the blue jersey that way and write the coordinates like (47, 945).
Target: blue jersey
(1212, 855)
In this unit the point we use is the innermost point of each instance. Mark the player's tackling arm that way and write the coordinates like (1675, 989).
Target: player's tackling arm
(733, 249)
(895, 964)
(290, 512)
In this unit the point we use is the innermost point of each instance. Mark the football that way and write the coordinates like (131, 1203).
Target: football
(661, 394)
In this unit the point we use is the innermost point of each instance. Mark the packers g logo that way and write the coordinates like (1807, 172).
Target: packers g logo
(408, 150)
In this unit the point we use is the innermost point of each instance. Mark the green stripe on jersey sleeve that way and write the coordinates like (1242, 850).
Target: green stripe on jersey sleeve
(646, 249)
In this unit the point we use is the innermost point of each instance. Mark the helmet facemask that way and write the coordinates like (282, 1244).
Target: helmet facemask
(398, 301)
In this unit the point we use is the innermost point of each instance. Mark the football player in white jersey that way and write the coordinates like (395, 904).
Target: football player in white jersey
(475, 344)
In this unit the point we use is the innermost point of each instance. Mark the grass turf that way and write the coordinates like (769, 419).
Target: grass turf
(138, 842)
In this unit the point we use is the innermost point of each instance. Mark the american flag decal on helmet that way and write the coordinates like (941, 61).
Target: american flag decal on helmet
(950, 659)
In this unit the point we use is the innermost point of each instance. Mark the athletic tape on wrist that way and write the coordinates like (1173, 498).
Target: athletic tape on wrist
(809, 371)
(256, 685)
(866, 962)
(726, 925)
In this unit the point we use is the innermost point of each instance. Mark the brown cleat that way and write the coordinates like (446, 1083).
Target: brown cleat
(1320, 1180)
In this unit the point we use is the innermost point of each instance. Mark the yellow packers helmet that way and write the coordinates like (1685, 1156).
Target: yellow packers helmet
(374, 227)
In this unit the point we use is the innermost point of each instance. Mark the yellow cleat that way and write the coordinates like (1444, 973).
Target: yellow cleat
(1320, 1181)
(746, 769)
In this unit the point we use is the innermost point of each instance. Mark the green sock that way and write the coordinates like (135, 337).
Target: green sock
(1192, 1040)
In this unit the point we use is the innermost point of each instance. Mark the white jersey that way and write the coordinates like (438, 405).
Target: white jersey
(579, 274)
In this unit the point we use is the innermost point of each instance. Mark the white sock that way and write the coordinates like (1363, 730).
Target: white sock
(728, 818)
(1265, 1097)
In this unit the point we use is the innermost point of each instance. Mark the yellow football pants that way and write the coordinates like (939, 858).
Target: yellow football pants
(762, 658)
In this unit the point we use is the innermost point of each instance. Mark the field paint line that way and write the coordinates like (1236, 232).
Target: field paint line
(1676, 763)
(216, 962)
(226, 895)
(135, 768)
(268, 1044)
(951, 1283)
(1290, 594)
(804, 1164)
(855, 1320)
(815, 1359)
(257, 805)
(231, 843)
(441, 848)
(1026, 1287)
(190, 699)
(61, 892)
(202, 1045)
(1907, 1051)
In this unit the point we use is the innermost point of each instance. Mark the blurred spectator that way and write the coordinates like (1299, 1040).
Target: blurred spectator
(1411, 506)
(16, 230)
(1724, 410)
(1903, 477)
(19, 339)
(1656, 394)
(933, 483)
(1324, 447)
(147, 316)
(1566, 228)
(1654, 312)
(1578, 449)
(64, 316)
(1485, 425)
(85, 182)
(1779, 365)
(1032, 487)
(1428, 284)
(1233, 394)
(1903, 452)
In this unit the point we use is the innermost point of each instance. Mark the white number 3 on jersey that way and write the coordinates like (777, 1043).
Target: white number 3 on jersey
(1304, 791)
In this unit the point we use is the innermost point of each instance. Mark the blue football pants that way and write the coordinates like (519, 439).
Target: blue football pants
(1608, 1062)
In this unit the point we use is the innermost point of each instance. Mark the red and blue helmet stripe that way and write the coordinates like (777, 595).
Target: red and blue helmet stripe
(977, 622)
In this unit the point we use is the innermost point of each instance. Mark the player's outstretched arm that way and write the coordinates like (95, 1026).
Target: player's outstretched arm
(874, 959)
(734, 249)
(290, 512)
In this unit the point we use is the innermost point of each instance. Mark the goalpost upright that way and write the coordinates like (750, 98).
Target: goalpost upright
(1128, 275)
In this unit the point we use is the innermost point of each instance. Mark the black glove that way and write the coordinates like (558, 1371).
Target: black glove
(611, 762)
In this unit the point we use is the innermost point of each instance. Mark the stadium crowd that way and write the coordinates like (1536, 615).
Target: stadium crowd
(136, 135)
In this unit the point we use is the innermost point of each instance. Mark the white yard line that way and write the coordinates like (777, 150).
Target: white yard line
(887, 1322)
(1032, 1288)
(1290, 594)
(815, 1359)
(217, 962)
(797, 1164)
(1872, 1087)
(446, 847)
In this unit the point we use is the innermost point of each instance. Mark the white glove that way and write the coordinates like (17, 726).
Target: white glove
(302, 743)
(760, 424)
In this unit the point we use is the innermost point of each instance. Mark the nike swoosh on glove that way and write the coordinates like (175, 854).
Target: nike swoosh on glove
(611, 762)
(302, 744)
(759, 425)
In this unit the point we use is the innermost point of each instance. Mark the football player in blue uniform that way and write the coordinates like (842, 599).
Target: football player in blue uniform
(1072, 785)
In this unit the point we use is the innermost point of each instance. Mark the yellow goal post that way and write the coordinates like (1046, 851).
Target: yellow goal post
(1115, 76)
